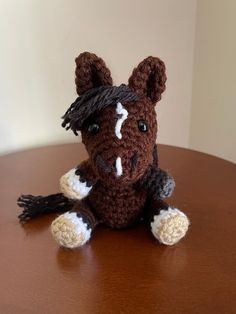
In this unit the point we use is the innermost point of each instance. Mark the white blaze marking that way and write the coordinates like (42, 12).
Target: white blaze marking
(124, 114)
(119, 169)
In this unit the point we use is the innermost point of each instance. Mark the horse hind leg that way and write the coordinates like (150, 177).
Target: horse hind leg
(74, 228)
(168, 224)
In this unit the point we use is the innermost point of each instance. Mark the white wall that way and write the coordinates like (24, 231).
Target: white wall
(213, 119)
(39, 40)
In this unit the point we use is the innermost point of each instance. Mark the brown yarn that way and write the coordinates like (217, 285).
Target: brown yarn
(83, 210)
(104, 147)
(149, 78)
(118, 201)
(85, 171)
(93, 101)
(34, 206)
(91, 71)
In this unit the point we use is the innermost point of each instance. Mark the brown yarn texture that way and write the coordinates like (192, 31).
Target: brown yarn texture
(116, 201)
(149, 78)
(90, 72)
(120, 201)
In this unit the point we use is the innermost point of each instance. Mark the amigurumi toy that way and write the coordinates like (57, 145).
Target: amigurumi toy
(120, 183)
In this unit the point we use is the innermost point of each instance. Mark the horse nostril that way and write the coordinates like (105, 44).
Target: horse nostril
(102, 164)
(134, 161)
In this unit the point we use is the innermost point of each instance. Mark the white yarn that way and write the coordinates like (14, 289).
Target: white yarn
(120, 110)
(70, 231)
(119, 169)
(164, 214)
(124, 115)
(170, 226)
(81, 227)
(72, 187)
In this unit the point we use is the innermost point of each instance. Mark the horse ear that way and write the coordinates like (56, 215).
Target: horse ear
(149, 78)
(91, 71)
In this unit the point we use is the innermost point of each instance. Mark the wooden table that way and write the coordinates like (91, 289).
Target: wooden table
(120, 271)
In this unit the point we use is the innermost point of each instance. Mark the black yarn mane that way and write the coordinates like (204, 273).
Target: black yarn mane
(94, 100)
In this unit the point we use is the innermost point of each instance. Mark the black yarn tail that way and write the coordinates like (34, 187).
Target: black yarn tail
(34, 206)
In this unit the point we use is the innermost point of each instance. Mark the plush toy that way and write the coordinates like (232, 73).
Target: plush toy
(120, 183)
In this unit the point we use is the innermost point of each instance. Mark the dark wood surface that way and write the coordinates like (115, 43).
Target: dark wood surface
(120, 271)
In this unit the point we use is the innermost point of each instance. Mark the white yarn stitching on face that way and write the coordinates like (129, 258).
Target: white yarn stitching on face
(120, 110)
(119, 169)
(123, 115)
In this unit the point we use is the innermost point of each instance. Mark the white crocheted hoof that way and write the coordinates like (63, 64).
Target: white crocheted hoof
(72, 187)
(70, 231)
(170, 226)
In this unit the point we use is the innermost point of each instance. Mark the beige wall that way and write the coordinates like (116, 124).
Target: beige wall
(40, 39)
(213, 118)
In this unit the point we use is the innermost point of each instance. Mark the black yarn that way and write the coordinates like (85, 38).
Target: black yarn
(82, 176)
(134, 161)
(155, 156)
(34, 206)
(102, 164)
(153, 208)
(94, 100)
(158, 183)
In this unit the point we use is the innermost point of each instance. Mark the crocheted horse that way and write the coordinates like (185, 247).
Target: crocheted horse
(121, 182)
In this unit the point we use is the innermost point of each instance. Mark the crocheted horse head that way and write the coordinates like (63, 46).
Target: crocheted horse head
(121, 181)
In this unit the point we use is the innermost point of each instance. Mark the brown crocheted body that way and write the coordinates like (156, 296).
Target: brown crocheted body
(119, 128)
(120, 151)
(114, 200)
(117, 206)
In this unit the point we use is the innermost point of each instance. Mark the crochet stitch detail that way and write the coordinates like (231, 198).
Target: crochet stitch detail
(170, 226)
(91, 71)
(72, 187)
(70, 231)
(120, 183)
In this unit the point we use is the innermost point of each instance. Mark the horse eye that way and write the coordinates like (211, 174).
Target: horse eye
(143, 126)
(93, 128)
